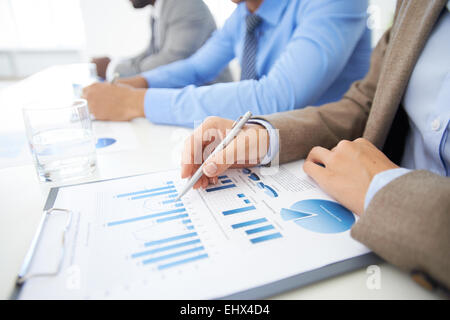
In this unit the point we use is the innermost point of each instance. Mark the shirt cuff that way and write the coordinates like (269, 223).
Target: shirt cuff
(155, 79)
(273, 140)
(157, 105)
(380, 180)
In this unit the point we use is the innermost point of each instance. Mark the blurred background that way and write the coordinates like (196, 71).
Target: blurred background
(36, 34)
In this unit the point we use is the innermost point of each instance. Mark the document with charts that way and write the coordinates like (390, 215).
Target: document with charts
(129, 238)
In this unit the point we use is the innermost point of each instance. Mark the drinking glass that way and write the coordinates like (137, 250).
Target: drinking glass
(61, 140)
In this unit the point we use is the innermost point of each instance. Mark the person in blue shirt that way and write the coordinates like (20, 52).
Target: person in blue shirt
(292, 53)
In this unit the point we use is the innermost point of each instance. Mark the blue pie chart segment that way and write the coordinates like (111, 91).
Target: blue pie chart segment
(104, 142)
(320, 216)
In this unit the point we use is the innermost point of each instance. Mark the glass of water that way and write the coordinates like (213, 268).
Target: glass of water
(61, 140)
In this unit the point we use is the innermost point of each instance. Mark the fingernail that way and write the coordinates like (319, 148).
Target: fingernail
(210, 169)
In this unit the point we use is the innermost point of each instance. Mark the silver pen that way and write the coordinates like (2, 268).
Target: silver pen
(237, 126)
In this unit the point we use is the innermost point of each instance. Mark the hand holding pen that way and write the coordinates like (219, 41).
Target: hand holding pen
(249, 146)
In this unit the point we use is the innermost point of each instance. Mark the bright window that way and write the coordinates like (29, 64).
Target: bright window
(41, 24)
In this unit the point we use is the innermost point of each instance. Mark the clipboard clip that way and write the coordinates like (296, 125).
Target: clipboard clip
(24, 275)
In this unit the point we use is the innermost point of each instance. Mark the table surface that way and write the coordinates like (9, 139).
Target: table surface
(158, 148)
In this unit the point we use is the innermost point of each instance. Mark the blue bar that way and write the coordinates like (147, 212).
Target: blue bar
(221, 187)
(179, 204)
(186, 221)
(222, 177)
(143, 191)
(268, 237)
(172, 218)
(183, 236)
(246, 201)
(173, 195)
(154, 215)
(169, 182)
(248, 223)
(241, 195)
(153, 194)
(170, 201)
(226, 181)
(173, 264)
(254, 177)
(190, 227)
(260, 229)
(238, 210)
(172, 255)
(172, 246)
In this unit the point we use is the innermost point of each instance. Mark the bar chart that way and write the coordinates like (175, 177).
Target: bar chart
(165, 234)
(172, 251)
(239, 213)
(255, 227)
(177, 242)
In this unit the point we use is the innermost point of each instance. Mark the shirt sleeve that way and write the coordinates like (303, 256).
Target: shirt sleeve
(381, 180)
(273, 140)
(324, 39)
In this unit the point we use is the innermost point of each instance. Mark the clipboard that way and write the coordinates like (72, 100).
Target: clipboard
(261, 292)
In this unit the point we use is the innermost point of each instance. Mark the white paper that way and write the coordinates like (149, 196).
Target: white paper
(118, 247)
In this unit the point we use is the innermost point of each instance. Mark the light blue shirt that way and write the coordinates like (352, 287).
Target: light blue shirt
(427, 103)
(309, 53)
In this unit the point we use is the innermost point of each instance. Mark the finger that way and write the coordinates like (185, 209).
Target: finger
(213, 180)
(200, 182)
(315, 171)
(220, 162)
(193, 146)
(205, 182)
(188, 169)
(191, 151)
(319, 155)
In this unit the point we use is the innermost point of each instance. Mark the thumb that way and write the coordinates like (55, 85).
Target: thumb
(219, 163)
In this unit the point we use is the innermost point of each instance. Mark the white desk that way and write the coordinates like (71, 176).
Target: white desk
(23, 197)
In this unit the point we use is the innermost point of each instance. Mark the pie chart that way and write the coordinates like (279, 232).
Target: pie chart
(321, 216)
(104, 142)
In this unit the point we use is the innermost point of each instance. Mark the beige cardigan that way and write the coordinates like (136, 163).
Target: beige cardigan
(408, 221)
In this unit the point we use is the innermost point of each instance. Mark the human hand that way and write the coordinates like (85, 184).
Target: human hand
(108, 101)
(102, 64)
(247, 149)
(349, 169)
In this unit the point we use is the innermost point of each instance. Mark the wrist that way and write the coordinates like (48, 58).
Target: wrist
(380, 180)
(135, 82)
(135, 103)
(269, 138)
(263, 137)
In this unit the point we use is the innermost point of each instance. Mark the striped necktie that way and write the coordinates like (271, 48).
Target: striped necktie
(250, 48)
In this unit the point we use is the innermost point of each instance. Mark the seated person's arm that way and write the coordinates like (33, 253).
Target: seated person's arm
(316, 55)
(109, 102)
